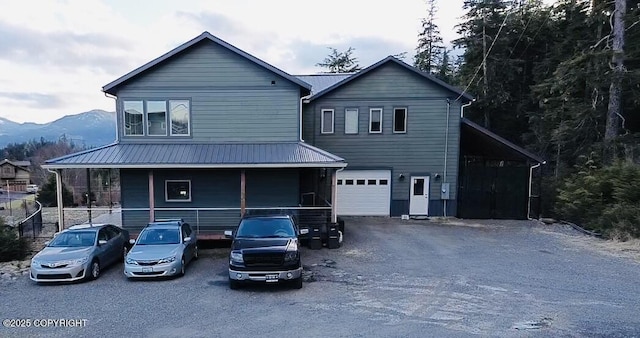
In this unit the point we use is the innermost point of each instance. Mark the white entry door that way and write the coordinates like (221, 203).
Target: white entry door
(419, 199)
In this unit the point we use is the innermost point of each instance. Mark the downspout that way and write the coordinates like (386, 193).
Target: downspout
(446, 150)
(59, 199)
(301, 102)
(465, 106)
(531, 186)
(115, 98)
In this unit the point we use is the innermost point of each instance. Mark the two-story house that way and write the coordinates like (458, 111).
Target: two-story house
(14, 175)
(208, 132)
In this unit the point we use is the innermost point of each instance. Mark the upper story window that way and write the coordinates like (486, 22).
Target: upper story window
(327, 121)
(375, 120)
(153, 117)
(400, 120)
(157, 118)
(351, 121)
(180, 117)
(133, 118)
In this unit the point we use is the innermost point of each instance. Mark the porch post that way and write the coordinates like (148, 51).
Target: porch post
(152, 211)
(243, 193)
(60, 203)
(89, 193)
(334, 196)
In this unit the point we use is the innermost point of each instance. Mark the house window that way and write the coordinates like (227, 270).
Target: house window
(384, 182)
(180, 122)
(157, 118)
(177, 191)
(351, 121)
(133, 118)
(151, 117)
(375, 120)
(348, 182)
(400, 120)
(327, 121)
(360, 182)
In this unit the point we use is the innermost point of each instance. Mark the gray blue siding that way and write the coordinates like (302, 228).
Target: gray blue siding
(420, 150)
(209, 189)
(232, 98)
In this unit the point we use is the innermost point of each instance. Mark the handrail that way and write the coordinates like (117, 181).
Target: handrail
(201, 209)
(32, 215)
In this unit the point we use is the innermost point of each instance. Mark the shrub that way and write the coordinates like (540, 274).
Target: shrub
(47, 195)
(603, 199)
(11, 246)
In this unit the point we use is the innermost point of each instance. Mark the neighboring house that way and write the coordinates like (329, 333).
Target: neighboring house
(14, 175)
(207, 132)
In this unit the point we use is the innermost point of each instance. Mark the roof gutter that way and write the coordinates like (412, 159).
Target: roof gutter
(302, 99)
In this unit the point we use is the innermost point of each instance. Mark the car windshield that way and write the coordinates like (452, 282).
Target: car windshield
(265, 228)
(151, 236)
(74, 239)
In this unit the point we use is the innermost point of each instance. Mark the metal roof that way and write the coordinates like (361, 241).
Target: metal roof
(111, 87)
(233, 155)
(384, 61)
(320, 82)
(501, 140)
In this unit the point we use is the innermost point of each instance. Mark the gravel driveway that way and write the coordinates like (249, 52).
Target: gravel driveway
(391, 278)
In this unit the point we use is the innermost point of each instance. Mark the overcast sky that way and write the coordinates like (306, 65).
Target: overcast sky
(55, 56)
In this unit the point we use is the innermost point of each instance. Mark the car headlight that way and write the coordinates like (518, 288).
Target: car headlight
(131, 261)
(35, 262)
(237, 257)
(167, 260)
(290, 256)
(292, 252)
(79, 261)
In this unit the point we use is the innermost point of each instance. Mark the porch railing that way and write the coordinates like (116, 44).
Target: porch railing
(201, 219)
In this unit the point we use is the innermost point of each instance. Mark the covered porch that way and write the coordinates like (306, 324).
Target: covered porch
(211, 186)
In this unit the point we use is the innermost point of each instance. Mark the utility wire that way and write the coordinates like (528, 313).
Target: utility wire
(484, 59)
(521, 34)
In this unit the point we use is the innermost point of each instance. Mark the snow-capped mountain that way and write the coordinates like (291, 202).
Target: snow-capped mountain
(92, 128)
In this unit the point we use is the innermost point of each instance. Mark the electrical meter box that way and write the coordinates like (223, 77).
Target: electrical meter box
(444, 191)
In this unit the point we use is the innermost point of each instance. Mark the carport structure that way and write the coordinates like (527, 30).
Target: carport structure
(496, 176)
(212, 185)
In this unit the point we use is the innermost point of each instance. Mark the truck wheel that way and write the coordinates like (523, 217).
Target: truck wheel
(297, 283)
(233, 284)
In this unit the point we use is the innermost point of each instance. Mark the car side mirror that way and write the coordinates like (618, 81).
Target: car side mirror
(47, 242)
(132, 241)
(186, 239)
(304, 231)
(228, 234)
(102, 242)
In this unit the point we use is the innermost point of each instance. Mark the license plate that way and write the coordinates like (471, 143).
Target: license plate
(147, 270)
(271, 278)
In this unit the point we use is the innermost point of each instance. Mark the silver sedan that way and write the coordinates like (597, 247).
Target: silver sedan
(79, 252)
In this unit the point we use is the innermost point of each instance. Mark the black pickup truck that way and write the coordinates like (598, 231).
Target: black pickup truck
(265, 249)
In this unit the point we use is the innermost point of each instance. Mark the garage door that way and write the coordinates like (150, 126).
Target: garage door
(364, 192)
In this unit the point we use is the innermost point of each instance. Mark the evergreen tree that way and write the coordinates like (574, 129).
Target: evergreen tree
(430, 50)
(340, 62)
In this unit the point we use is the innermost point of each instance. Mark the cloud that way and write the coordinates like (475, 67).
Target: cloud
(213, 22)
(63, 49)
(34, 100)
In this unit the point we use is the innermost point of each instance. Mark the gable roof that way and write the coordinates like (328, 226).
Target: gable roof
(391, 59)
(204, 155)
(111, 87)
(18, 164)
(320, 82)
(500, 140)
